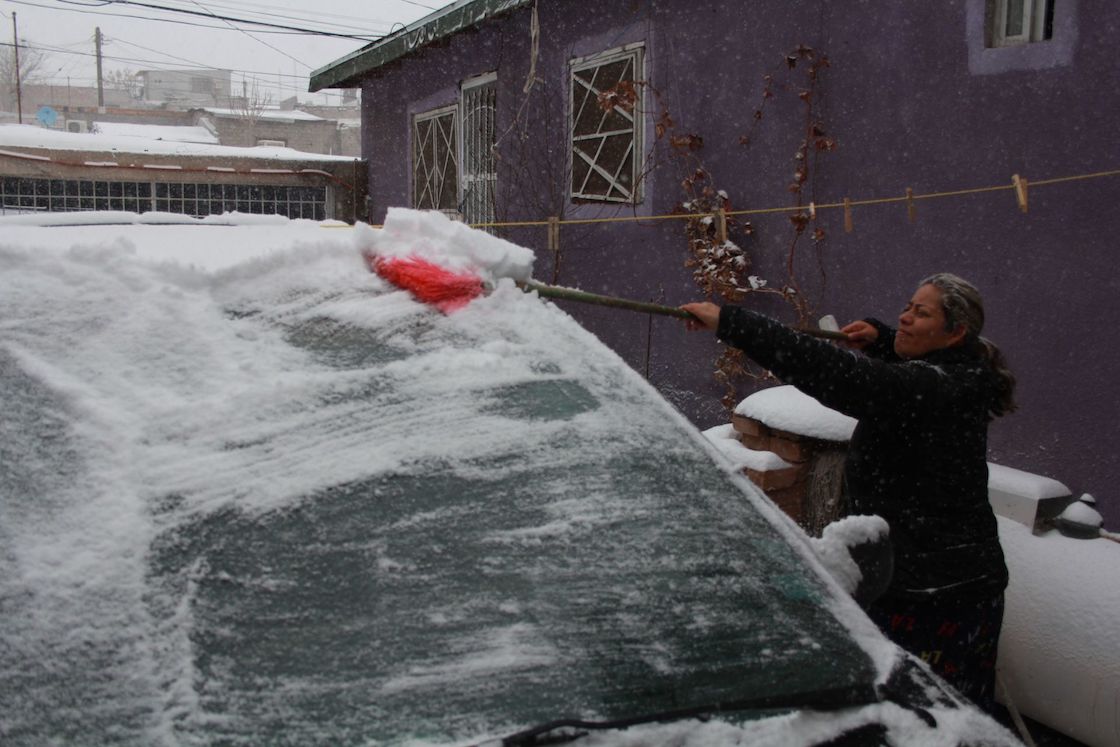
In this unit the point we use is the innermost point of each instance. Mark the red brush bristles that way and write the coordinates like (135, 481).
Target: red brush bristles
(428, 282)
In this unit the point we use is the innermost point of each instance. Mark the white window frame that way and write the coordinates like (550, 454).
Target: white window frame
(477, 206)
(581, 95)
(422, 183)
(1033, 22)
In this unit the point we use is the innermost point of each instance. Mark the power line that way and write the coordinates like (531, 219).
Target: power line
(344, 20)
(187, 11)
(115, 58)
(195, 63)
(258, 41)
(267, 79)
(150, 18)
(95, 9)
(261, 78)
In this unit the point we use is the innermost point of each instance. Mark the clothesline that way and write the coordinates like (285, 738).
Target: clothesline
(1018, 184)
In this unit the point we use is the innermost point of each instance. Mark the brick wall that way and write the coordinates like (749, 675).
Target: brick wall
(791, 488)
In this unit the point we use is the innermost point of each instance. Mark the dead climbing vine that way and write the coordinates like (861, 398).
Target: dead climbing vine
(721, 268)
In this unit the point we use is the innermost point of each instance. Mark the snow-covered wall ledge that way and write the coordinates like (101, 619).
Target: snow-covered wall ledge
(792, 448)
(785, 409)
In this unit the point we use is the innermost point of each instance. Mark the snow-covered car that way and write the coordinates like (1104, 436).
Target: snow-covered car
(254, 494)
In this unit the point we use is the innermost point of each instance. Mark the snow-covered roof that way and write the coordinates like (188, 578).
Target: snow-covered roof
(167, 133)
(275, 115)
(30, 136)
(451, 19)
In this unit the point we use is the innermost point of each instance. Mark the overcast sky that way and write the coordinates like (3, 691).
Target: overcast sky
(138, 35)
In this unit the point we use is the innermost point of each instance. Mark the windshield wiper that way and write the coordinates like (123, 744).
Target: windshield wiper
(904, 687)
(567, 730)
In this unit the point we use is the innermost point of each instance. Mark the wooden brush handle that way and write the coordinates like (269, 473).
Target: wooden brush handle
(571, 294)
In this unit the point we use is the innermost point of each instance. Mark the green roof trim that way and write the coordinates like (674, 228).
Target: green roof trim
(348, 71)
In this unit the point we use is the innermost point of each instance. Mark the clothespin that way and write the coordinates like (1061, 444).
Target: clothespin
(847, 215)
(1020, 183)
(721, 226)
(911, 211)
(553, 234)
(812, 211)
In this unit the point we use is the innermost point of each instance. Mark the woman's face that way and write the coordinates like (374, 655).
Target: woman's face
(921, 326)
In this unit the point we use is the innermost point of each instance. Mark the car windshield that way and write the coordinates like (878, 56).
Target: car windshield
(278, 501)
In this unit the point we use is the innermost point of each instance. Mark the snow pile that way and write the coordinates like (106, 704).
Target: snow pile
(726, 439)
(276, 115)
(1080, 513)
(833, 544)
(152, 217)
(209, 244)
(1057, 650)
(169, 133)
(786, 408)
(434, 237)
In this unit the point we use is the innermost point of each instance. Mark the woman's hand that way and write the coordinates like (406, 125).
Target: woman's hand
(860, 334)
(705, 316)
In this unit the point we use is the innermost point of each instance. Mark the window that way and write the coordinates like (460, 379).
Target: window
(453, 165)
(1019, 21)
(26, 195)
(605, 127)
(479, 177)
(435, 163)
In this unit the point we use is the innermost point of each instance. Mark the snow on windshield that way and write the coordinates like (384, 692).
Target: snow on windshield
(159, 374)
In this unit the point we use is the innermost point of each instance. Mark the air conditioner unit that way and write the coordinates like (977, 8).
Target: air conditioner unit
(77, 125)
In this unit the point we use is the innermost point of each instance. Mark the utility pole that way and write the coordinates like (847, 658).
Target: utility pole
(19, 90)
(100, 87)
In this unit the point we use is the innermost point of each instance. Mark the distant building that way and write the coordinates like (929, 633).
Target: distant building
(247, 127)
(58, 96)
(144, 169)
(187, 88)
(164, 133)
(235, 121)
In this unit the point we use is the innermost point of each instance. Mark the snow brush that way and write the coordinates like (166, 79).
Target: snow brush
(449, 290)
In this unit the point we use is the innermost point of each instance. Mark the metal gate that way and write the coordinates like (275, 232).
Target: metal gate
(479, 175)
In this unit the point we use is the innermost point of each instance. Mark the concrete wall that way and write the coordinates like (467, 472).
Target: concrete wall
(59, 97)
(912, 98)
(187, 87)
(309, 136)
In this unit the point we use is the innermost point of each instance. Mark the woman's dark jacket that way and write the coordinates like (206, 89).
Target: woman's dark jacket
(918, 456)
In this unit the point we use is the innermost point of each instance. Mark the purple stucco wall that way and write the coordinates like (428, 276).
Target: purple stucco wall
(913, 99)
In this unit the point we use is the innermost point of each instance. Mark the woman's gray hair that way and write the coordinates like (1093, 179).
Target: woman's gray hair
(963, 306)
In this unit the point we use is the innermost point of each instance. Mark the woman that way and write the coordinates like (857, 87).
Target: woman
(923, 396)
